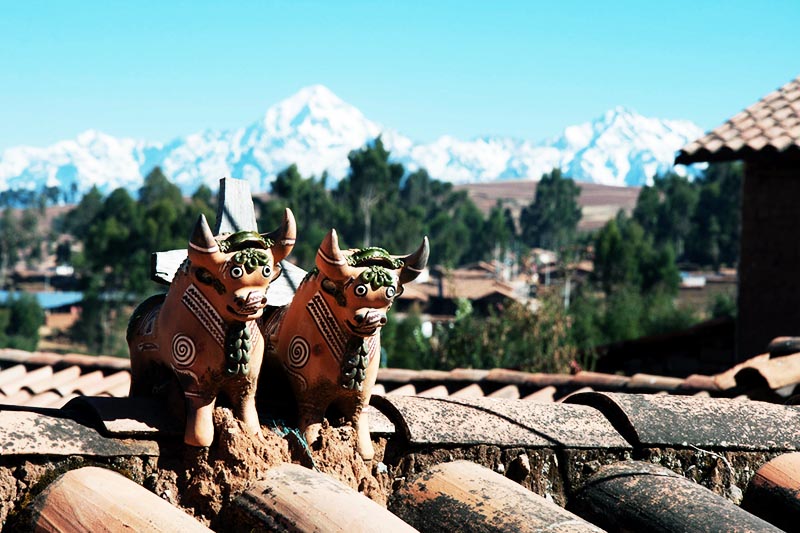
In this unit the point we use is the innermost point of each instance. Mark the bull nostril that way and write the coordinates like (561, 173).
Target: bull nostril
(359, 318)
(383, 321)
(263, 300)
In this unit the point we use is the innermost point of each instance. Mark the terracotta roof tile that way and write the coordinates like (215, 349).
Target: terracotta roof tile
(463, 496)
(727, 380)
(30, 378)
(405, 390)
(20, 397)
(637, 496)
(661, 383)
(11, 375)
(438, 391)
(470, 391)
(53, 379)
(97, 499)
(509, 392)
(87, 385)
(45, 399)
(294, 498)
(465, 421)
(777, 373)
(769, 124)
(74, 374)
(543, 395)
(685, 421)
(58, 379)
(773, 493)
(30, 433)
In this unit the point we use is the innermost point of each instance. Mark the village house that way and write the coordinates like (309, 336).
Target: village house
(766, 136)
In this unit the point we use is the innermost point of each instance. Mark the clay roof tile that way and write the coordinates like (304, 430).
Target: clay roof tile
(638, 496)
(462, 496)
(685, 421)
(767, 124)
(544, 395)
(294, 498)
(463, 421)
(773, 491)
(97, 499)
(470, 391)
(29, 378)
(509, 392)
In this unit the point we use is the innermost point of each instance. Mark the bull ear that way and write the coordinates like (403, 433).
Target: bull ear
(330, 259)
(283, 237)
(202, 240)
(415, 263)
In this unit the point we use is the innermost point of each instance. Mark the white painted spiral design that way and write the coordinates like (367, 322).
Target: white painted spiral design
(183, 351)
(299, 351)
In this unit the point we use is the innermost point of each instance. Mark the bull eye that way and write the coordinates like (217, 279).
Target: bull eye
(237, 272)
(390, 292)
(266, 271)
(361, 290)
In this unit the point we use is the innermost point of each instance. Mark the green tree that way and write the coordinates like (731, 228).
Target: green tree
(77, 221)
(626, 256)
(551, 219)
(22, 318)
(512, 336)
(11, 241)
(714, 235)
(369, 191)
(665, 210)
(404, 343)
(313, 207)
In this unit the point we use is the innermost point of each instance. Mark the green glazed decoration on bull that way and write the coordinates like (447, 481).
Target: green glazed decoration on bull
(373, 254)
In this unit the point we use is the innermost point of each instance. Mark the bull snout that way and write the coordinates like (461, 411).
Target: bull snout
(254, 301)
(367, 321)
(370, 318)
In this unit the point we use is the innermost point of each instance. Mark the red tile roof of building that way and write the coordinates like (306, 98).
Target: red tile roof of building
(771, 125)
(492, 417)
(43, 379)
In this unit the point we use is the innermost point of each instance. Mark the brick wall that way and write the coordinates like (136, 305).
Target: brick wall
(769, 267)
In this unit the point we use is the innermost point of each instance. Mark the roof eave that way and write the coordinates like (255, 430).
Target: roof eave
(727, 154)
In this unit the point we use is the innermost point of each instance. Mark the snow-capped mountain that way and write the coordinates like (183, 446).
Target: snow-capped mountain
(316, 130)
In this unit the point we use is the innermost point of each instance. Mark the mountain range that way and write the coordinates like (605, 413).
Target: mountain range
(316, 130)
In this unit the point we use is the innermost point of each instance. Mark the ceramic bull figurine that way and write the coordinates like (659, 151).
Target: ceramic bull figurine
(327, 339)
(204, 329)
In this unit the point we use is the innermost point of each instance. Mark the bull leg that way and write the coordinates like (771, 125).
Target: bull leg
(365, 448)
(199, 421)
(352, 410)
(245, 407)
(361, 423)
(310, 416)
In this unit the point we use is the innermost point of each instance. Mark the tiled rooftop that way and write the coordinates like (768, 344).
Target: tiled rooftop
(461, 450)
(44, 379)
(772, 125)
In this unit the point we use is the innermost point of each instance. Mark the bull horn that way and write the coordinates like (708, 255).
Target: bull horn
(202, 240)
(330, 259)
(415, 263)
(283, 237)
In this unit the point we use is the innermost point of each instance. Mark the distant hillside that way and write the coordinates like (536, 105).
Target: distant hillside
(600, 203)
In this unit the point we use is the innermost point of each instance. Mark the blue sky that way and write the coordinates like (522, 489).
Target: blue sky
(157, 70)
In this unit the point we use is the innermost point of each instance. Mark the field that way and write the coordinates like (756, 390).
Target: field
(600, 203)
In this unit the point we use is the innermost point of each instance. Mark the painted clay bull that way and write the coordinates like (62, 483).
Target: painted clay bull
(328, 338)
(204, 329)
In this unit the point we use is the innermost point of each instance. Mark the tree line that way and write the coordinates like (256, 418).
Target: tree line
(630, 293)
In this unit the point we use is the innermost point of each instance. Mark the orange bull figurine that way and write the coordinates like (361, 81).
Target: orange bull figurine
(204, 331)
(327, 339)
